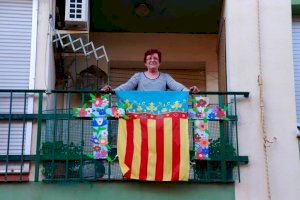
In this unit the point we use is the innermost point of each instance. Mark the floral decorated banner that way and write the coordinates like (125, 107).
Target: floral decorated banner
(154, 102)
(153, 144)
(155, 106)
(99, 112)
(202, 112)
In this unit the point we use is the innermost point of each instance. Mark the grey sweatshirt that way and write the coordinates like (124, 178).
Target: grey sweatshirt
(163, 82)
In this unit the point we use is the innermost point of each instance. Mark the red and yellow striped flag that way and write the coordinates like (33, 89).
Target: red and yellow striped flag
(154, 147)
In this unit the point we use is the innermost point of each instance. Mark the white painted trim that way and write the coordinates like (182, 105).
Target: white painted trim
(33, 44)
(28, 133)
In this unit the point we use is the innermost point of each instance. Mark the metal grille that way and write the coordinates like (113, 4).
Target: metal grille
(63, 142)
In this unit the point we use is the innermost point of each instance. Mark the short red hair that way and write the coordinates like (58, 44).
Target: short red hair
(151, 52)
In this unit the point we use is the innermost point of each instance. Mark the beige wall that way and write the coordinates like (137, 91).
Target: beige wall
(181, 48)
(259, 45)
(45, 69)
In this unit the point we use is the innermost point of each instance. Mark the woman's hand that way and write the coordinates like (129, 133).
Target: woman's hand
(194, 89)
(106, 88)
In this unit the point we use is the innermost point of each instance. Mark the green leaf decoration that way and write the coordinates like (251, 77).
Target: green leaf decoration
(75, 111)
(108, 158)
(225, 108)
(92, 96)
(104, 96)
(125, 106)
(195, 110)
(101, 128)
(206, 109)
(192, 120)
(96, 130)
(194, 100)
(97, 134)
(207, 131)
(90, 155)
(125, 117)
(205, 120)
(85, 106)
(226, 119)
(108, 147)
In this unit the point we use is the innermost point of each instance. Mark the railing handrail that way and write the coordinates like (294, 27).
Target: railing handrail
(21, 90)
(245, 94)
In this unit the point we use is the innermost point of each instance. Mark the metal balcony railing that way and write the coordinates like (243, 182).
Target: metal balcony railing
(38, 131)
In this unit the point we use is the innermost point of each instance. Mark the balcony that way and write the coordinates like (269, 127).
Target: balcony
(39, 131)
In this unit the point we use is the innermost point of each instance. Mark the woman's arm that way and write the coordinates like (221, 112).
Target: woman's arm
(176, 86)
(131, 84)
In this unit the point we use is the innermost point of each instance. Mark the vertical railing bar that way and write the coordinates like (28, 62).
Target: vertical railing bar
(8, 135)
(54, 137)
(38, 140)
(208, 170)
(237, 139)
(23, 137)
(95, 172)
(81, 142)
(109, 137)
(193, 138)
(222, 139)
(235, 111)
(208, 164)
(68, 136)
(193, 132)
(95, 162)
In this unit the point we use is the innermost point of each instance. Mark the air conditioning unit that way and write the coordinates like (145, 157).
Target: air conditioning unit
(77, 14)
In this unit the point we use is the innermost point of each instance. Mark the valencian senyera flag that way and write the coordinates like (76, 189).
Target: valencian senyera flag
(153, 144)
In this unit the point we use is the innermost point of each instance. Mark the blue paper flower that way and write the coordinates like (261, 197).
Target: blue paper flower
(101, 111)
(94, 140)
(197, 147)
(211, 115)
(205, 151)
(99, 122)
(191, 114)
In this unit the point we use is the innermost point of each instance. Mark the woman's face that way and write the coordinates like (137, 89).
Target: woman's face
(152, 62)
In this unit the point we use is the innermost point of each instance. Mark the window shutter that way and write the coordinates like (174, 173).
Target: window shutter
(296, 55)
(15, 49)
(15, 41)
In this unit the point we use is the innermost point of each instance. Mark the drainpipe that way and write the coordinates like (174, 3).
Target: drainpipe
(262, 107)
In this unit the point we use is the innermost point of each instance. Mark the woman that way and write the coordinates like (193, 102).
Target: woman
(152, 79)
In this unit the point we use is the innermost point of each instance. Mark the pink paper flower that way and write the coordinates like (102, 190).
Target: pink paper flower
(221, 114)
(103, 153)
(103, 141)
(97, 102)
(200, 156)
(82, 112)
(201, 125)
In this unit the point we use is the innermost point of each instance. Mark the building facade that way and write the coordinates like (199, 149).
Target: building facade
(230, 46)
